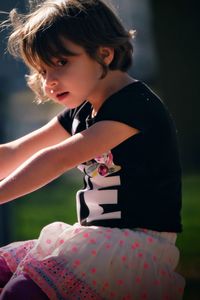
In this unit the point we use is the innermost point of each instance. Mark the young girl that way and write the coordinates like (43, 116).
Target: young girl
(121, 136)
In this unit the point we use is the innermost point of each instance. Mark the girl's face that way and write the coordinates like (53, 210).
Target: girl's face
(72, 79)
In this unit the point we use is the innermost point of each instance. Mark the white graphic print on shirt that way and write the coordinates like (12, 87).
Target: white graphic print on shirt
(91, 200)
(102, 165)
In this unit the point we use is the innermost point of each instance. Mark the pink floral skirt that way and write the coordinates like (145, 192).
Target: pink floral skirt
(76, 262)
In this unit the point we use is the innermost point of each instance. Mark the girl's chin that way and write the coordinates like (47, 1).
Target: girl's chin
(69, 103)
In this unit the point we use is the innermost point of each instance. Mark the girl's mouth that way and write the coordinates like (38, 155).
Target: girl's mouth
(62, 96)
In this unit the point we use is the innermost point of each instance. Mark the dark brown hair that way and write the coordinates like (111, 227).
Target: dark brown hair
(38, 36)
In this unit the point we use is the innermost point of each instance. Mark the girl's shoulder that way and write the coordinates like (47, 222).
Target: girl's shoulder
(136, 96)
(135, 104)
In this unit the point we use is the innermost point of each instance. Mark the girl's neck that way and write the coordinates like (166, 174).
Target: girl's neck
(112, 83)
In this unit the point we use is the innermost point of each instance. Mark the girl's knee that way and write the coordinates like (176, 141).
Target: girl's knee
(22, 288)
(5, 273)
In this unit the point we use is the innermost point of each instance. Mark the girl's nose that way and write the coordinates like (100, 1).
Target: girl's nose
(50, 81)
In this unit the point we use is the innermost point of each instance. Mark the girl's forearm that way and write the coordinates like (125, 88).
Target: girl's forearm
(34, 173)
(11, 157)
(6, 158)
(13, 154)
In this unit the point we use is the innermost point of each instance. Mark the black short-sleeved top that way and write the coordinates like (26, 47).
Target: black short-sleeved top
(137, 183)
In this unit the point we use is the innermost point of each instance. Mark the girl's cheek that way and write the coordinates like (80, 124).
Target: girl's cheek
(49, 94)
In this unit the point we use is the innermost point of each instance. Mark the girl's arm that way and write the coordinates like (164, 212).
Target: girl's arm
(49, 163)
(15, 153)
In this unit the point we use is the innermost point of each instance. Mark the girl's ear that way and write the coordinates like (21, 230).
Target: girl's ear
(106, 54)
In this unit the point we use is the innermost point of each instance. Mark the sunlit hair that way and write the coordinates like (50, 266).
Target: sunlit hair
(37, 37)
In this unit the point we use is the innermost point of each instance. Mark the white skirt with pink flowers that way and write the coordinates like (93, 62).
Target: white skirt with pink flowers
(76, 262)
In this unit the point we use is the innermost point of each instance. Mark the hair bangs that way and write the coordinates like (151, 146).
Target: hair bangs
(44, 45)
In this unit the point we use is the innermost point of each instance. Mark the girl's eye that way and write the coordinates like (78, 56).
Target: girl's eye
(61, 62)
